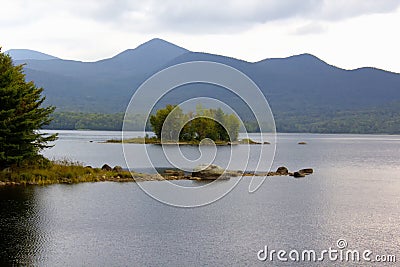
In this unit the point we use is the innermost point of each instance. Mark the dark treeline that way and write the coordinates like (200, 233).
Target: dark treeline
(95, 121)
(373, 121)
(382, 120)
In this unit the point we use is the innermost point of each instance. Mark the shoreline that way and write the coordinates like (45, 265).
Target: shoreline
(117, 174)
(155, 141)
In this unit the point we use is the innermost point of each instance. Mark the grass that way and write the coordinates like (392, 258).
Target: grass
(44, 171)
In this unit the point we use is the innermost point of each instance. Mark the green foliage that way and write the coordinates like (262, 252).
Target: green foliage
(171, 123)
(21, 115)
(96, 121)
(380, 120)
(371, 121)
(171, 129)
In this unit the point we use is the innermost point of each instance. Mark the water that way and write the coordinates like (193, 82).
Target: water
(354, 194)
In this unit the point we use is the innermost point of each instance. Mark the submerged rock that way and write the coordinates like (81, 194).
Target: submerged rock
(298, 175)
(306, 171)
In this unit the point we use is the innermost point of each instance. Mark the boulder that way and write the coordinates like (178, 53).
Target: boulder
(306, 171)
(117, 169)
(106, 168)
(298, 175)
(282, 171)
(210, 172)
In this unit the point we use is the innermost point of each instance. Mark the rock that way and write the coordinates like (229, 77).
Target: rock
(174, 172)
(267, 143)
(117, 169)
(210, 172)
(298, 175)
(106, 168)
(282, 171)
(306, 171)
(302, 143)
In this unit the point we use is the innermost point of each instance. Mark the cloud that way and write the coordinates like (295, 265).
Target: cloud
(206, 16)
(342, 9)
(310, 28)
(209, 16)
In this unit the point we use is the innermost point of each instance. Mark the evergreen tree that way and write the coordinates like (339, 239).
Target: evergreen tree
(21, 115)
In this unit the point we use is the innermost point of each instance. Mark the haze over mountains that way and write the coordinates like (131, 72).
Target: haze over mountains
(24, 54)
(300, 84)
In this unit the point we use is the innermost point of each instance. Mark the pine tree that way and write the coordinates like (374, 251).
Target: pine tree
(21, 115)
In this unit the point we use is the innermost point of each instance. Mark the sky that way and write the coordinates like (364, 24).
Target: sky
(345, 33)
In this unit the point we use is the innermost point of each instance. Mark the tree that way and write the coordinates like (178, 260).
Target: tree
(220, 118)
(157, 121)
(21, 115)
(205, 123)
(232, 125)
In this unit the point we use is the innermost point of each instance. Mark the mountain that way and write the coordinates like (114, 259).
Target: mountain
(23, 54)
(103, 86)
(301, 84)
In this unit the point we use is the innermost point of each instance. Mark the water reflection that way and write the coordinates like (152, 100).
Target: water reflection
(353, 194)
(20, 236)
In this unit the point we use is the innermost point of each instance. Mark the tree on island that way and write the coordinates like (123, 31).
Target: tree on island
(21, 115)
(205, 123)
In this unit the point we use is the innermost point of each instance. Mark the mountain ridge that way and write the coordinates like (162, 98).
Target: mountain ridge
(12, 53)
(298, 84)
(23, 54)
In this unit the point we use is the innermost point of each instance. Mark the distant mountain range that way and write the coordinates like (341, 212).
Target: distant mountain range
(301, 84)
(25, 54)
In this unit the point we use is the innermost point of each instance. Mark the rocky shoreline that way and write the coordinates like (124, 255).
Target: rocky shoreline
(118, 174)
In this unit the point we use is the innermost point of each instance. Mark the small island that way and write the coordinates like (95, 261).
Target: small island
(205, 127)
(156, 141)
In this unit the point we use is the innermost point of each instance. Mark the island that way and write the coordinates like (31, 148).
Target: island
(156, 141)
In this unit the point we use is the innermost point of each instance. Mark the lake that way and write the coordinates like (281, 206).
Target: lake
(354, 195)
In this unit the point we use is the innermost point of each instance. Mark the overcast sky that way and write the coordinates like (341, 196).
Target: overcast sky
(345, 33)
